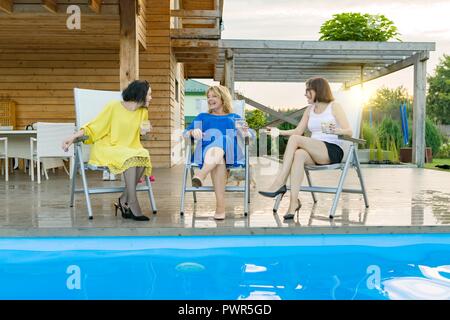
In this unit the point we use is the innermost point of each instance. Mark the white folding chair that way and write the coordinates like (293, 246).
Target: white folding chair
(202, 106)
(353, 111)
(48, 147)
(4, 155)
(89, 103)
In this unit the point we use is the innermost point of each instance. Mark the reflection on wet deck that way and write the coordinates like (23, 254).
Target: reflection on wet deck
(398, 197)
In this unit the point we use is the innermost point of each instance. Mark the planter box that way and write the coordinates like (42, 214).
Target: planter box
(406, 155)
(363, 155)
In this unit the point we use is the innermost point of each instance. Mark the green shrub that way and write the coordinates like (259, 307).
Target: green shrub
(256, 119)
(433, 137)
(394, 156)
(372, 152)
(369, 134)
(444, 151)
(380, 156)
(389, 130)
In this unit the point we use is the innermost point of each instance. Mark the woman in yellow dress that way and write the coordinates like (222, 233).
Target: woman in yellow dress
(115, 135)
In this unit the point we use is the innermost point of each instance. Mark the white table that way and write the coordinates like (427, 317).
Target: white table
(19, 142)
(19, 147)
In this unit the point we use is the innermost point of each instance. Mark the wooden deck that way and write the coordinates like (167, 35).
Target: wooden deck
(401, 200)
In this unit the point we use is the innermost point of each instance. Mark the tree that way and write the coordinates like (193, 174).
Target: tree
(255, 119)
(386, 103)
(351, 26)
(438, 97)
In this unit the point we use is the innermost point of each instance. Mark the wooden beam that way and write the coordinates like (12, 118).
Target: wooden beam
(196, 33)
(95, 5)
(129, 46)
(297, 114)
(327, 45)
(299, 79)
(195, 13)
(344, 52)
(419, 111)
(38, 10)
(50, 5)
(194, 43)
(6, 6)
(229, 71)
(263, 108)
(422, 56)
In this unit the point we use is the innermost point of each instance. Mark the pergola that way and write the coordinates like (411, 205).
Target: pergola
(347, 62)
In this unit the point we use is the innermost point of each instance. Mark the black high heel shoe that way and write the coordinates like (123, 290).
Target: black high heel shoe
(282, 191)
(137, 218)
(123, 210)
(292, 215)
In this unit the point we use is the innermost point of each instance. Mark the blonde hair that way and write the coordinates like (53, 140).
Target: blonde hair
(224, 94)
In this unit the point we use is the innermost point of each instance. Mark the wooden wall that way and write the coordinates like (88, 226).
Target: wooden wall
(155, 67)
(41, 76)
(42, 81)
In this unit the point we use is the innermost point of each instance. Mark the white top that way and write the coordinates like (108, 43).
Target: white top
(315, 125)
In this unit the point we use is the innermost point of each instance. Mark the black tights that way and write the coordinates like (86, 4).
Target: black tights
(129, 196)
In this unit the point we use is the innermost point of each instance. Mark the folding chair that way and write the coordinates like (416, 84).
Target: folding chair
(353, 111)
(190, 143)
(88, 103)
(48, 147)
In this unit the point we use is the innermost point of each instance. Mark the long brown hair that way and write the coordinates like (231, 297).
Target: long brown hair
(224, 94)
(322, 89)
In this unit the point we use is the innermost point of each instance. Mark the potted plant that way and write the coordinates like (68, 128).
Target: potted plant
(380, 154)
(369, 134)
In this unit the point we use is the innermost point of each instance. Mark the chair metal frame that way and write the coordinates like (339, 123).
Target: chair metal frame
(81, 165)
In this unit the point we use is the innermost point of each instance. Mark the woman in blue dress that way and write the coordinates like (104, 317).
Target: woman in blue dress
(219, 146)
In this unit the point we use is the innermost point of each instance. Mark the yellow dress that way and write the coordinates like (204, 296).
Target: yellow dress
(115, 135)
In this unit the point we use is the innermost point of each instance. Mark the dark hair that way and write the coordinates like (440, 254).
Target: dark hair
(136, 91)
(322, 89)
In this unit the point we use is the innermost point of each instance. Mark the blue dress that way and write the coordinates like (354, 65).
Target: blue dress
(219, 131)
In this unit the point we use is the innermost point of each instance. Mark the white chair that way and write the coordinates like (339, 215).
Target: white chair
(202, 106)
(88, 103)
(46, 147)
(4, 155)
(353, 111)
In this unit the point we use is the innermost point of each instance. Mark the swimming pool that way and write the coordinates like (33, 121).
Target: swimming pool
(402, 266)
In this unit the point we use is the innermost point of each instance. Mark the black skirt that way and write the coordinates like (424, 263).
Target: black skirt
(335, 152)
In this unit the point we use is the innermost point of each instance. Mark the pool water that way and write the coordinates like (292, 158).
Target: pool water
(227, 267)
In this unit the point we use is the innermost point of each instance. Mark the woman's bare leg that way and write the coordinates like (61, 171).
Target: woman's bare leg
(213, 157)
(301, 157)
(218, 177)
(315, 148)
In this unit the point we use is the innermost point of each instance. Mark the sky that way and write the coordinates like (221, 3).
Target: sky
(416, 21)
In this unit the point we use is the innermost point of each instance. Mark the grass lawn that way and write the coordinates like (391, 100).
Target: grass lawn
(438, 161)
